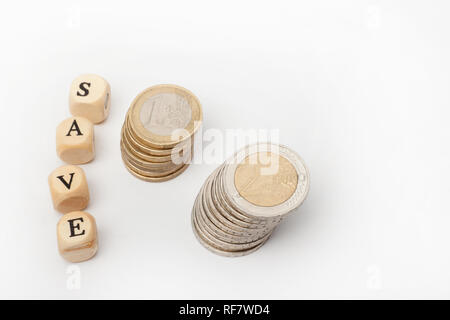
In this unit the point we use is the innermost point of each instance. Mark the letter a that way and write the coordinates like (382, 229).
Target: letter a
(74, 127)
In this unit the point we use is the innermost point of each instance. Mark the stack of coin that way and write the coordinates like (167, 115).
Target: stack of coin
(243, 200)
(157, 134)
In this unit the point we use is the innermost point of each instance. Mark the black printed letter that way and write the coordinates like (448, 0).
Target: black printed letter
(72, 227)
(74, 127)
(65, 182)
(83, 86)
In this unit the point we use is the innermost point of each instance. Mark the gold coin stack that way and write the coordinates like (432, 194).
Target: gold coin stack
(243, 200)
(157, 134)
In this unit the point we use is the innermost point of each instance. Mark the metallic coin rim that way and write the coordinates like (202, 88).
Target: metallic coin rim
(217, 232)
(157, 179)
(159, 141)
(143, 145)
(219, 197)
(137, 151)
(242, 204)
(224, 214)
(211, 217)
(152, 173)
(224, 220)
(210, 248)
(224, 202)
(227, 246)
(150, 166)
(153, 165)
(244, 235)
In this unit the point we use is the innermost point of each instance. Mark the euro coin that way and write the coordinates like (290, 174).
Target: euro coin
(244, 200)
(157, 135)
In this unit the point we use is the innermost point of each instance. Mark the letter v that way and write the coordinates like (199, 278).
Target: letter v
(65, 182)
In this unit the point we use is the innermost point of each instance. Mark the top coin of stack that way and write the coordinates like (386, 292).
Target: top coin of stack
(242, 202)
(157, 134)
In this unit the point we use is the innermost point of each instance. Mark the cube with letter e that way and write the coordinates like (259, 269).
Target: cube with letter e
(77, 236)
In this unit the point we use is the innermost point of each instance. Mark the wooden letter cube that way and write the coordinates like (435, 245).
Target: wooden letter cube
(69, 189)
(77, 236)
(75, 140)
(90, 97)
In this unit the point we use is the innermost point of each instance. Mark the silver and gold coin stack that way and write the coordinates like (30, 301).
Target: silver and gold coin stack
(157, 134)
(243, 200)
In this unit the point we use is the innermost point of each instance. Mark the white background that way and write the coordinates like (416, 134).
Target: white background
(360, 89)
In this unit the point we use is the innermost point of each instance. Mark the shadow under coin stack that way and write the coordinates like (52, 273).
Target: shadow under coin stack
(157, 135)
(243, 200)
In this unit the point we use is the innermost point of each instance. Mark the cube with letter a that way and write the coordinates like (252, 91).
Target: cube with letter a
(75, 140)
